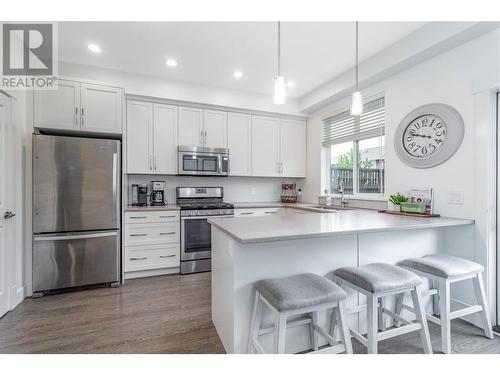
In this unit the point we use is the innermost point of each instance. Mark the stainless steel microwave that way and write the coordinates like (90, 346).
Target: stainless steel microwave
(203, 161)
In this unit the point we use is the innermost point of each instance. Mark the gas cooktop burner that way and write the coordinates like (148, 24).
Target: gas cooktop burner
(204, 205)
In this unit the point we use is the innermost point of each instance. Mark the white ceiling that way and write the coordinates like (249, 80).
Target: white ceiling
(209, 52)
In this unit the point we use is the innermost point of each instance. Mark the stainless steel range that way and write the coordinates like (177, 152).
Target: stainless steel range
(197, 204)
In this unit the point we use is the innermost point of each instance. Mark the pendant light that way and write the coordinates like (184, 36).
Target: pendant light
(279, 93)
(357, 98)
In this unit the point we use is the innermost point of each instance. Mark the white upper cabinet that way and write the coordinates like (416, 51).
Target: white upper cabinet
(79, 106)
(215, 128)
(101, 108)
(58, 109)
(165, 139)
(139, 137)
(293, 148)
(265, 146)
(191, 126)
(239, 143)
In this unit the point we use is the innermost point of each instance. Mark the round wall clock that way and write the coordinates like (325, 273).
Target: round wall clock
(429, 135)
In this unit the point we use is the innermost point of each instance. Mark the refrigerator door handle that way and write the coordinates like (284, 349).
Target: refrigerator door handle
(115, 187)
(74, 236)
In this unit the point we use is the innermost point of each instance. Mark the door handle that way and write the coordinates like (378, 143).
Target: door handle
(8, 215)
(167, 217)
(166, 233)
(138, 235)
(141, 258)
(167, 256)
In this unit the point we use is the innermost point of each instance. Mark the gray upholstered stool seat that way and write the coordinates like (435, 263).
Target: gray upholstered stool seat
(445, 266)
(379, 277)
(299, 291)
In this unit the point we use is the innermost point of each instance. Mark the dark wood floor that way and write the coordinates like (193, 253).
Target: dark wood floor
(164, 314)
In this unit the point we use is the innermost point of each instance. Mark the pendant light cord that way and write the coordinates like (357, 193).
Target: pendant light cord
(279, 48)
(357, 56)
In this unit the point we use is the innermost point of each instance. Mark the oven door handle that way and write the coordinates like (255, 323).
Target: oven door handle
(204, 217)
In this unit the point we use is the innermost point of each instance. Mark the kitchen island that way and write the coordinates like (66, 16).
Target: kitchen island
(245, 250)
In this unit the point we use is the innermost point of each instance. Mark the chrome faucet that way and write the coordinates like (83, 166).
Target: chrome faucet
(343, 200)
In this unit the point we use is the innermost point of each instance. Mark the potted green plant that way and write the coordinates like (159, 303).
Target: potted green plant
(395, 200)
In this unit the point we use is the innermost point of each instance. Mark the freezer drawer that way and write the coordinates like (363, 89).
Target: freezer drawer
(75, 259)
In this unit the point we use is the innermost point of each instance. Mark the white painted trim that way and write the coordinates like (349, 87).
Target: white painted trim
(158, 272)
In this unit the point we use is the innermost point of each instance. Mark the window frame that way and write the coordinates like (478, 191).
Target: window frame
(355, 148)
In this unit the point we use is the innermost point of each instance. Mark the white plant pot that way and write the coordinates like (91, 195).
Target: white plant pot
(392, 207)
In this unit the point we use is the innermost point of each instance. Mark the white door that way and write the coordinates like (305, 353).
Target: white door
(215, 128)
(293, 148)
(165, 139)
(265, 146)
(190, 126)
(7, 202)
(58, 109)
(239, 143)
(139, 137)
(101, 108)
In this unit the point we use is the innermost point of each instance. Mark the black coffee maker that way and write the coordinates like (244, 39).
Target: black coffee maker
(157, 193)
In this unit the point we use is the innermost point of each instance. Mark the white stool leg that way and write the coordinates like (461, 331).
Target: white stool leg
(345, 336)
(280, 333)
(400, 300)
(381, 323)
(255, 323)
(312, 330)
(334, 328)
(420, 313)
(435, 297)
(481, 300)
(372, 323)
(444, 311)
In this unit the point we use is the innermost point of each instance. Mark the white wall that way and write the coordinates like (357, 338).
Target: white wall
(236, 189)
(137, 84)
(466, 78)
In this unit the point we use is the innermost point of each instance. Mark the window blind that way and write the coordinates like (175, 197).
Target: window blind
(342, 127)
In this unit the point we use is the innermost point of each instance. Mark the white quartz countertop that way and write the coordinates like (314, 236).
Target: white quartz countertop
(269, 204)
(167, 207)
(314, 225)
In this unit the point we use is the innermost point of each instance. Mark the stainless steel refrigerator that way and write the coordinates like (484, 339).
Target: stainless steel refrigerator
(76, 212)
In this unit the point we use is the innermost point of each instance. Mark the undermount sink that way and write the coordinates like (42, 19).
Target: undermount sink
(331, 208)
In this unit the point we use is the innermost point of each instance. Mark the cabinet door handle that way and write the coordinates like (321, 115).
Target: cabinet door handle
(166, 233)
(150, 163)
(76, 116)
(167, 217)
(83, 117)
(141, 258)
(167, 256)
(138, 217)
(270, 212)
(138, 235)
(247, 213)
(201, 136)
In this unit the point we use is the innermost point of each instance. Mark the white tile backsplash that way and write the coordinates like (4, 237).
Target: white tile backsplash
(236, 189)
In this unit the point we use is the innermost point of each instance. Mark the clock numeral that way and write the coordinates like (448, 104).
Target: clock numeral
(409, 139)
(424, 150)
(433, 147)
(440, 133)
(438, 140)
(439, 125)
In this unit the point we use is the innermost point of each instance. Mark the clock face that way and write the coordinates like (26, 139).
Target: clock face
(424, 136)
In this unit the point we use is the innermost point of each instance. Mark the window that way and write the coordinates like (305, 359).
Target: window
(356, 148)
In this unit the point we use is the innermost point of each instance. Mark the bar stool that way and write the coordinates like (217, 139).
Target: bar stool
(376, 281)
(294, 296)
(444, 270)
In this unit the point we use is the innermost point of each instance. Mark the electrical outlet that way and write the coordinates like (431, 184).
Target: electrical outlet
(252, 191)
(455, 197)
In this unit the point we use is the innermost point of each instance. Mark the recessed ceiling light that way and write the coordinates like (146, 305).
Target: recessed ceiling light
(290, 84)
(171, 63)
(94, 48)
(238, 74)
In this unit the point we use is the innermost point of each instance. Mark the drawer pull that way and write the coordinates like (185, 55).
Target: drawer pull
(167, 217)
(167, 233)
(138, 235)
(138, 217)
(141, 258)
(247, 213)
(167, 256)
(270, 212)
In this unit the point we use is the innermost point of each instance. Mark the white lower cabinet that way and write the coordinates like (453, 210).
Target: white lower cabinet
(152, 242)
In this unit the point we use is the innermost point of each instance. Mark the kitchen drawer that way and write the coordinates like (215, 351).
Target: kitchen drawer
(147, 257)
(156, 233)
(137, 217)
(242, 212)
